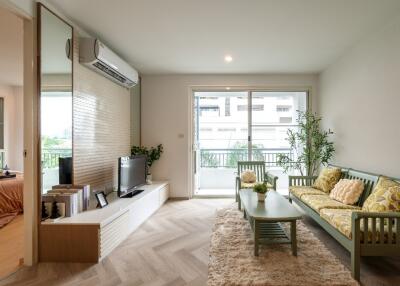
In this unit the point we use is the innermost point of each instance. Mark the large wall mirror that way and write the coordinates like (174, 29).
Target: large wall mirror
(55, 82)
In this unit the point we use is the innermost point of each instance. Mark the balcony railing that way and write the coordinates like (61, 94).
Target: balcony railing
(228, 158)
(50, 157)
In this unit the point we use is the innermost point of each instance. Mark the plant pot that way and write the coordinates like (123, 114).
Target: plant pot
(149, 179)
(261, 197)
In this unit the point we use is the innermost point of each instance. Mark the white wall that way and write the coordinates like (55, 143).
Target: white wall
(135, 114)
(13, 126)
(359, 98)
(23, 8)
(165, 115)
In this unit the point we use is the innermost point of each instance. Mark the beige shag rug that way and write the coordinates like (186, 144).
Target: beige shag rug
(232, 260)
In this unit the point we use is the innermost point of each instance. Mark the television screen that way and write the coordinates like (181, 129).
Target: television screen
(131, 174)
(65, 170)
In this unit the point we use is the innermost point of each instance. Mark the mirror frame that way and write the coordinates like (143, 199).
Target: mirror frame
(39, 7)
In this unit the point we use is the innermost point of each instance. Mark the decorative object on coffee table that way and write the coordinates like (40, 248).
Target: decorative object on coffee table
(6, 170)
(261, 190)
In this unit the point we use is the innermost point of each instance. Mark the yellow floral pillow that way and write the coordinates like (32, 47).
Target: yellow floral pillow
(384, 198)
(327, 179)
(248, 176)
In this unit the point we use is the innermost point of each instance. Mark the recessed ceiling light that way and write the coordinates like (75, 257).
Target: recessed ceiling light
(228, 58)
(227, 88)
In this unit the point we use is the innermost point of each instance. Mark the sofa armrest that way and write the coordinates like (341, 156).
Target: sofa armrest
(301, 180)
(379, 228)
(238, 183)
(271, 179)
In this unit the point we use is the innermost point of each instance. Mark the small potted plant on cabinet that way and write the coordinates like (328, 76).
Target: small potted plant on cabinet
(152, 153)
(261, 190)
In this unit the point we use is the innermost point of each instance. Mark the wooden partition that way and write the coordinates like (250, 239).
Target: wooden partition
(101, 119)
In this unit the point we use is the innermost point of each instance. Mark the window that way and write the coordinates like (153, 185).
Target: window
(255, 107)
(227, 106)
(283, 108)
(285, 119)
(226, 129)
(212, 110)
(1, 123)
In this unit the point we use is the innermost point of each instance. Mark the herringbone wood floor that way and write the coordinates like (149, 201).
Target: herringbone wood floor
(171, 248)
(11, 246)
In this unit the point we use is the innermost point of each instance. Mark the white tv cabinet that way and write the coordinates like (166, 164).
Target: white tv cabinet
(91, 235)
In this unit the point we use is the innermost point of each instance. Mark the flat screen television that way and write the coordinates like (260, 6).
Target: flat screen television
(131, 174)
(65, 170)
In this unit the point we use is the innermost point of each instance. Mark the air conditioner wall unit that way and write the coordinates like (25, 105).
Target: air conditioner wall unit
(96, 56)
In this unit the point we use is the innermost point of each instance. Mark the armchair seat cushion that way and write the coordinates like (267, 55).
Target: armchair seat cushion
(319, 202)
(300, 191)
(244, 185)
(341, 220)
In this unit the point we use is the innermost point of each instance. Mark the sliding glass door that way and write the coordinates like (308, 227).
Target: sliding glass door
(221, 139)
(273, 113)
(232, 126)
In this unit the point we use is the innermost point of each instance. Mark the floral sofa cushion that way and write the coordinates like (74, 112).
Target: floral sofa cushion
(327, 179)
(319, 202)
(385, 197)
(299, 191)
(341, 220)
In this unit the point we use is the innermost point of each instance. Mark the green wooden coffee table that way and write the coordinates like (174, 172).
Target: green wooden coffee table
(266, 217)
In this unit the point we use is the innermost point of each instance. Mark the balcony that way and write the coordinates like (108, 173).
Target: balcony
(50, 156)
(228, 158)
(217, 168)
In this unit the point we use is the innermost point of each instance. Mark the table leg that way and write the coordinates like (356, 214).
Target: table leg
(239, 204)
(244, 214)
(293, 237)
(256, 237)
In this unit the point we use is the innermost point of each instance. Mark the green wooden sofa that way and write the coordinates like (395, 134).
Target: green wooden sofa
(372, 234)
(259, 169)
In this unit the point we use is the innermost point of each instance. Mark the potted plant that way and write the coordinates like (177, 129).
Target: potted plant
(152, 154)
(261, 190)
(310, 146)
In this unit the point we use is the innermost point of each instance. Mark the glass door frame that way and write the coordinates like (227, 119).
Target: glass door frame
(249, 90)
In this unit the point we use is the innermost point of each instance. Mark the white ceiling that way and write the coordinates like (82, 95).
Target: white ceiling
(263, 36)
(11, 49)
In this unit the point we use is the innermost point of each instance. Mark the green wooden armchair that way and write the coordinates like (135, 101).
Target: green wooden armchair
(259, 169)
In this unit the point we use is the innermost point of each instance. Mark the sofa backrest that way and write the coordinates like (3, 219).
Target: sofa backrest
(395, 179)
(368, 179)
